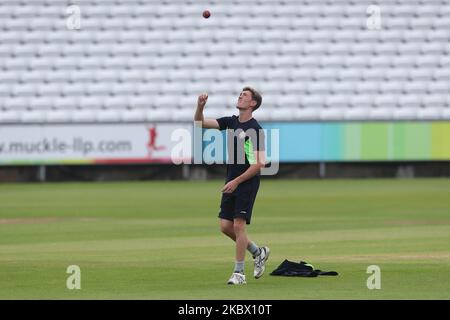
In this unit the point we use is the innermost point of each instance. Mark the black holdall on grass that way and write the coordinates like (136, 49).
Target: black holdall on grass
(293, 269)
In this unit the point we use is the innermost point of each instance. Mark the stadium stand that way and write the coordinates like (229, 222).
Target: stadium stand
(136, 60)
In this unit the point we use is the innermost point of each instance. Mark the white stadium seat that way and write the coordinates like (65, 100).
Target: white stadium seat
(434, 101)
(409, 101)
(362, 101)
(306, 114)
(196, 88)
(392, 87)
(9, 116)
(161, 114)
(291, 87)
(380, 113)
(94, 102)
(357, 113)
(405, 113)
(115, 102)
(182, 115)
(283, 114)
(64, 103)
(148, 61)
(343, 87)
(385, 101)
(107, 115)
(33, 116)
(338, 101)
(428, 113)
(312, 101)
(263, 114)
(83, 116)
(134, 115)
(59, 116)
(331, 113)
(288, 101)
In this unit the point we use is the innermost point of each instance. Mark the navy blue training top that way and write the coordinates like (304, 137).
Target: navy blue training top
(243, 139)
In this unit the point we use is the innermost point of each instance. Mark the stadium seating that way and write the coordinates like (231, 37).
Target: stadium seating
(136, 60)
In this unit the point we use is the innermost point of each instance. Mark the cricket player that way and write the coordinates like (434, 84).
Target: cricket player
(246, 158)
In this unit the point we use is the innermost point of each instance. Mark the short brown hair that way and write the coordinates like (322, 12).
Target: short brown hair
(255, 96)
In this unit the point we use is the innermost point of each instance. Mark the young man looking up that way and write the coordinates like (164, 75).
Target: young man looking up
(246, 159)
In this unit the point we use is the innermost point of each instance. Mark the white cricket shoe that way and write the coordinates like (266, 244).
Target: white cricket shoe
(260, 262)
(237, 278)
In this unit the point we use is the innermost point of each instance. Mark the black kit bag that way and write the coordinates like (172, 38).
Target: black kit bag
(303, 269)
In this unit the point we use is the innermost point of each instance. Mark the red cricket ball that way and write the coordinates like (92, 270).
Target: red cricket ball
(206, 14)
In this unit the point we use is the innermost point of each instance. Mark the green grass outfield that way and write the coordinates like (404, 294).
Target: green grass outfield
(160, 240)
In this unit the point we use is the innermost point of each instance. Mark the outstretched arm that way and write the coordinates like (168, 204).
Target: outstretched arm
(205, 123)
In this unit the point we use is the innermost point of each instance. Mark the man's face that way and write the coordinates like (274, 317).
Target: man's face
(245, 101)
